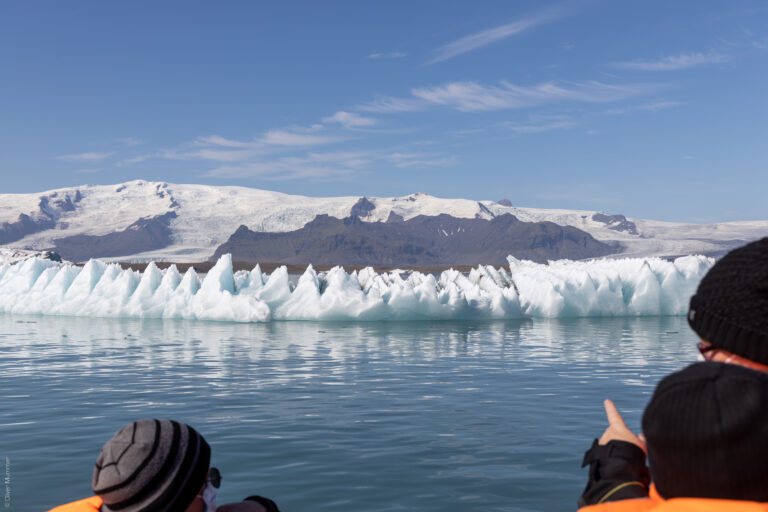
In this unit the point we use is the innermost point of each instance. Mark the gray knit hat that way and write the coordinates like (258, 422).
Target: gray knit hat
(151, 466)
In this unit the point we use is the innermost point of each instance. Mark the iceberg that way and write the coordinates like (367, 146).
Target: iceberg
(596, 288)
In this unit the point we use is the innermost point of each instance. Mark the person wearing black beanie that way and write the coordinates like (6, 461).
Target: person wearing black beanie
(156, 465)
(706, 430)
(729, 313)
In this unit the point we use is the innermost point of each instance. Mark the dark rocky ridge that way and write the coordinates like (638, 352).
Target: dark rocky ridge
(146, 234)
(26, 225)
(362, 208)
(616, 223)
(485, 210)
(420, 241)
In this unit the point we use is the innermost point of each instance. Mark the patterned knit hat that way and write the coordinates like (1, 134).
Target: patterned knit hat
(706, 429)
(730, 308)
(151, 465)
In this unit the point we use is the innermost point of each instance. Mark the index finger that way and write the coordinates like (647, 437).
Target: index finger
(614, 418)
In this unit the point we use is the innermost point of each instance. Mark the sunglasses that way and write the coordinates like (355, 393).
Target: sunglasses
(704, 348)
(215, 477)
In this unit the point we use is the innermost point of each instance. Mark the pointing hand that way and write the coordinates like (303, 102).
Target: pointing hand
(617, 430)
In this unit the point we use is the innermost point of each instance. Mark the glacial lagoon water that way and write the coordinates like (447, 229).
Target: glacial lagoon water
(397, 416)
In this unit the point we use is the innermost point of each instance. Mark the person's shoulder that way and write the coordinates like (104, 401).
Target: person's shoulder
(92, 504)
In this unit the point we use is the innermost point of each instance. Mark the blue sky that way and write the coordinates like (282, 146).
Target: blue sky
(653, 109)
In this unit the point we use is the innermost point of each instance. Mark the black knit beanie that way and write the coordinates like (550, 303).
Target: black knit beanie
(151, 466)
(730, 308)
(706, 429)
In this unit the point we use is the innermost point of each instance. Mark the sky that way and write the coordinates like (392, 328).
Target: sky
(652, 109)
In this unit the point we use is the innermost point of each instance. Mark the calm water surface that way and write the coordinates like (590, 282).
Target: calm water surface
(412, 416)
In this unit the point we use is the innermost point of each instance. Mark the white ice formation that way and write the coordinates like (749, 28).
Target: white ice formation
(627, 287)
(14, 255)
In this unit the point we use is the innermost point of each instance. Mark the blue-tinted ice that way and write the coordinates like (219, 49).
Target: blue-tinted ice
(621, 287)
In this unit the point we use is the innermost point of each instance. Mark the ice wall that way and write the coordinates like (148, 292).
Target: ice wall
(628, 287)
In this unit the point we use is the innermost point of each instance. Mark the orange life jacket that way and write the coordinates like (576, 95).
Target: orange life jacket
(92, 504)
(656, 503)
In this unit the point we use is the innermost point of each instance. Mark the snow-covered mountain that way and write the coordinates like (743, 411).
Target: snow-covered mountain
(140, 220)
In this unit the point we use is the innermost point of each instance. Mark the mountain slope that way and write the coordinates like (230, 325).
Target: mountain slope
(191, 221)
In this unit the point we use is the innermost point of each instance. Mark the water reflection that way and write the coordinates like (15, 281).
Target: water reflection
(324, 416)
(61, 342)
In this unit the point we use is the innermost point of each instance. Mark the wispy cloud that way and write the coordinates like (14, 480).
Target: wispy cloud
(659, 105)
(478, 40)
(131, 141)
(290, 153)
(215, 140)
(408, 160)
(472, 96)
(389, 104)
(311, 166)
(475, 97)
(674, 62)
(85, 157)
(538, 124)
(286, 138)
(275, 171)
(136, 159)
(654, 106)
(292, 136)
(466, 131)
(388, 55)
(350, 120)
(747, 39)
(350, 159)
(328, 165)
(213, 154)
(216, 155)
(215, 148)
(760, 44)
